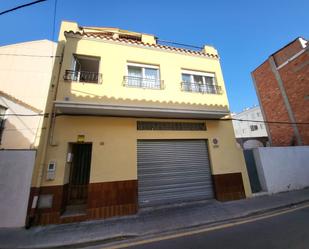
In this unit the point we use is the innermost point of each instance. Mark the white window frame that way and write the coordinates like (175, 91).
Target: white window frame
(88, 57)
(143, 67)
(184, 71)
(199, 73)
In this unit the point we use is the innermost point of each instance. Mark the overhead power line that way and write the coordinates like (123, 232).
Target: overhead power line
(180, 44)
(21, 6)
(266, 122)
(32, 55)
(20, 129)
(54, 20)
(218, 119)
(23, 115)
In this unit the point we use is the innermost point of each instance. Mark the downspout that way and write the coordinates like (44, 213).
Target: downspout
(52, 126)
(47, 141)
(39, 127)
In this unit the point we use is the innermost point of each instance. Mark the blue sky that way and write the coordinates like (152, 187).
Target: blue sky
(244, 32)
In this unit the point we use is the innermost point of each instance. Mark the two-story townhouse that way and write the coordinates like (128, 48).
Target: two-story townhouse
(133, 124)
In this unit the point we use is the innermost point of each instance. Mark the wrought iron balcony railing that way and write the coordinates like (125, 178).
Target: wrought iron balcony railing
(132, 81)
(83, 76)
(201, 88)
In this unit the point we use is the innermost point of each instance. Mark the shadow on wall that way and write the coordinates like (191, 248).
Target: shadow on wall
(40, 161)
(13, 138)
(252, 142)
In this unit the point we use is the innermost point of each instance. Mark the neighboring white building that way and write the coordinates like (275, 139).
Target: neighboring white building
(25, 76)
(250, 134)
(18, 132)
(25, 81)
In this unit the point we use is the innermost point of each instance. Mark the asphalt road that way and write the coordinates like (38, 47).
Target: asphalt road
(289, 230)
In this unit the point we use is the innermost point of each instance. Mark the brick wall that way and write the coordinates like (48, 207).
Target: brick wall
(273, 105)
(287, 52)
(295, 77)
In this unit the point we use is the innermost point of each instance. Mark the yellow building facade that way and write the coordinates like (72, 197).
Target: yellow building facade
(132, 124)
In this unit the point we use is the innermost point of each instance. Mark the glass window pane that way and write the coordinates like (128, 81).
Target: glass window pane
(151, 73)
(186, 77)
(76, 64)
(135, 71)
(210, 84)
(151, 79)
(135, 76)
(198, 79)
(209, 80)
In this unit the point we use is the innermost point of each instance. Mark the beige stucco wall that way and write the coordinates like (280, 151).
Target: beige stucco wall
(114, 139)
(25, 74)
(21, 132)
(113, 66)
(27, 77)
(114, 152)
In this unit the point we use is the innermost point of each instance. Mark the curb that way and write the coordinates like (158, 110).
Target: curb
(116, 240)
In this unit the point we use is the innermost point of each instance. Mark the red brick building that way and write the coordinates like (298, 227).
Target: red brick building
(282, 86)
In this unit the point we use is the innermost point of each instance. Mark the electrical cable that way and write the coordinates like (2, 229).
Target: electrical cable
(31, 55)
(21, 6)
(216, 119)
(180, 44)
(54, 20)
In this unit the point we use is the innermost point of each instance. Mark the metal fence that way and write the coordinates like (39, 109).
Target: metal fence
(132, 81)
(201, 88)
(83, 76)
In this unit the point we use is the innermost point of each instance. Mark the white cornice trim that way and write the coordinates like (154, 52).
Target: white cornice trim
(138, 109)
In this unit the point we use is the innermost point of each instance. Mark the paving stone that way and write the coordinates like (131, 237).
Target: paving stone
(147, 222)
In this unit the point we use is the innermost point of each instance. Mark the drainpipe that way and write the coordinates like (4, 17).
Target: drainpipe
(47, 141)
(52, 126)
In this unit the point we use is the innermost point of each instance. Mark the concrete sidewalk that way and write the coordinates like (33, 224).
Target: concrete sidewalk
(146, 222)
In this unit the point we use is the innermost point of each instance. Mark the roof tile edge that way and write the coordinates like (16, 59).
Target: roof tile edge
(80, 35)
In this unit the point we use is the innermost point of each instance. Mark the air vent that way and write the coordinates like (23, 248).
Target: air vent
(170, 126)
(130, 37)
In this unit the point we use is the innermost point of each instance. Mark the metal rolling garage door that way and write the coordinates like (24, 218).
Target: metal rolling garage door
(172, 171)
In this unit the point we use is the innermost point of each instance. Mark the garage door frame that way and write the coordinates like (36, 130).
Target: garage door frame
(203, 185)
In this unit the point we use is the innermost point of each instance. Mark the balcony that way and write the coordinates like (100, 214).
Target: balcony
(201, 88)
(139, 82)
(83, 76)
